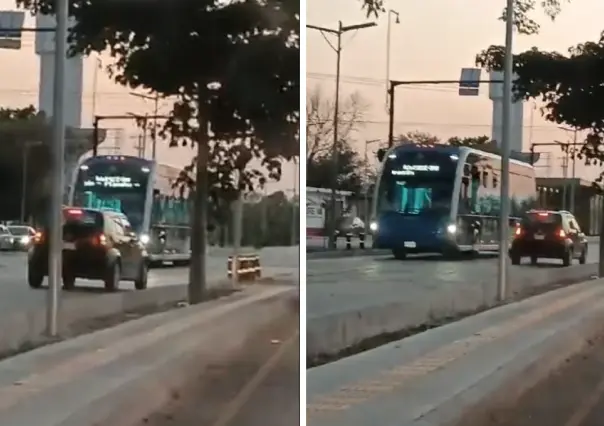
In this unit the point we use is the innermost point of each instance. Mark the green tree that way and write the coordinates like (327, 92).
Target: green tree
(233, 68)
(471, 141)
(319, 172)
(417, 136)
(523, 11)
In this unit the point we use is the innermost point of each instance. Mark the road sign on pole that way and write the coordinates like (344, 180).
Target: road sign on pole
(11, 23)
(469, 81)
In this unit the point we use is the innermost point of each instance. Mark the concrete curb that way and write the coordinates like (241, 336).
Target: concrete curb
(328, 335)
(29, 327)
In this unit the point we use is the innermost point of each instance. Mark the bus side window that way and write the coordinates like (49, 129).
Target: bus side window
(495, 181)
(485, 179)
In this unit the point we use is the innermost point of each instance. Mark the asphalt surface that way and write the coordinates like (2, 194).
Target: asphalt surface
(347, 284)
(571, 396)
(17, 296)
(258, 385)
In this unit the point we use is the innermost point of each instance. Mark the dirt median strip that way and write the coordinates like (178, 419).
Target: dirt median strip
(68, 369)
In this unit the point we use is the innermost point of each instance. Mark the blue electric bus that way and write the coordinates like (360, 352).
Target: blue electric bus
(143, 192)
(443, 199)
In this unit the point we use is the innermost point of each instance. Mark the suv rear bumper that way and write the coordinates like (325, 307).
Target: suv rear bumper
(550, 250)
(75, 264)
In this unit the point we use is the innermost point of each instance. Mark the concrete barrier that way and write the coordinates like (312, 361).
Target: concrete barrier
(331, 334)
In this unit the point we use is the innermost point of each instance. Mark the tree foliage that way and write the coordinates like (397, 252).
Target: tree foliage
(417, 137)
(471, 141)
(23, 132)
(236, 64)
(350, 172)
(523, 12)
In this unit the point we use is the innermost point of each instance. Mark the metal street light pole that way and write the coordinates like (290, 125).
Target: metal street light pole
(508, 70)
(398, 21)
(58, 144)
(366, 183)
(334, 183)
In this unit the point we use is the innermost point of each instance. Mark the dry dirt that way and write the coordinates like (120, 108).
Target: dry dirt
(257, 386)
(573, 395)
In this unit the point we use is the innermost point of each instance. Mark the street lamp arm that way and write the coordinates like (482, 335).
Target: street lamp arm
(327, 30)
(358, 26)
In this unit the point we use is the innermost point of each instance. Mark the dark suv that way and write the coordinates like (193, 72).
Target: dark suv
(551, 235)
(96, 245)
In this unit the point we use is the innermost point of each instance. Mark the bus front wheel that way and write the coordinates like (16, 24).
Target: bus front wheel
(399, 254)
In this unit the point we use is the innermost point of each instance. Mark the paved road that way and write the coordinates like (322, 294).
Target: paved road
(259, 385)
(345, 284)
(16, 296)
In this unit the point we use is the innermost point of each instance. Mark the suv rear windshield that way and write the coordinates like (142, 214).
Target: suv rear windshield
(545, 222)
(81, 223)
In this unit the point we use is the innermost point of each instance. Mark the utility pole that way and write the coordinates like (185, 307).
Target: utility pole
(55, 261)
(98, 118)
(335, 146)
(155, 99)
(508, 70)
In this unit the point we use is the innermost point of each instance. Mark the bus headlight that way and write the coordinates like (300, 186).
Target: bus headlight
(144, 238)
(373, 226)
(452, 228)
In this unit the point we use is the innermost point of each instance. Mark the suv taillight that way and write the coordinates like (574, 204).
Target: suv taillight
(561, 233)
(518, 231)
(99, 240)
(38, 238)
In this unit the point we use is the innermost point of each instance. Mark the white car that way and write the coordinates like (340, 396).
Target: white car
(7, 240)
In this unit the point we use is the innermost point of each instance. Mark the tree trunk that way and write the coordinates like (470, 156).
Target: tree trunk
(197, 271)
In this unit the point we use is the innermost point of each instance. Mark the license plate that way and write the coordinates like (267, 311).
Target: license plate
(410, 244)
(68, 246)
(540, 237)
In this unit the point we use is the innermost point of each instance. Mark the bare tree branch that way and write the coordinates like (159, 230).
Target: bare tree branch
(319, 121)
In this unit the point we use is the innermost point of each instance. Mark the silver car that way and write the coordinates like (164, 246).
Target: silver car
(7, 240)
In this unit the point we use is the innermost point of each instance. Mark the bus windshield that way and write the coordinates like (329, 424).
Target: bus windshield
(113, 185)
(417, 183)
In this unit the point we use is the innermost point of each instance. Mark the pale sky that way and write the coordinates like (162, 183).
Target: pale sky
(434, 40)
(19, 81)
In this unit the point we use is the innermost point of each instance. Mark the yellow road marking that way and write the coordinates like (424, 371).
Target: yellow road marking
(396, 377)
(245, 394)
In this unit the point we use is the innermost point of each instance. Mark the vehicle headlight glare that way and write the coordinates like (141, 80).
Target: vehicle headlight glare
(373, 226)
(452, 228)
(25, 240)
(144, 239)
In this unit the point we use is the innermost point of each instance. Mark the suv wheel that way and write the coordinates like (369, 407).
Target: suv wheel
(141, 280)
(34, 279)
(583, 257)
(533, 260)
(399, 254)
(515, 259)
(112, 279)
(567, 260)
(69, 282)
